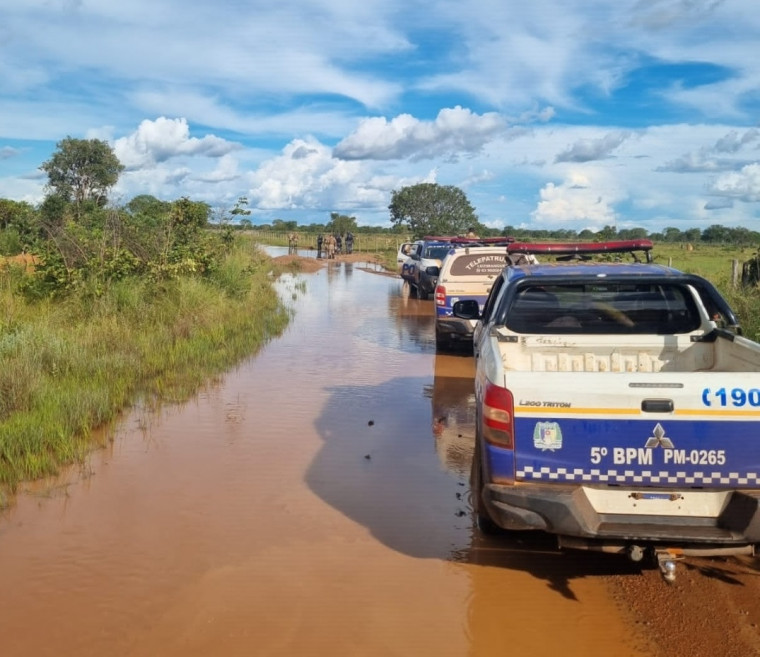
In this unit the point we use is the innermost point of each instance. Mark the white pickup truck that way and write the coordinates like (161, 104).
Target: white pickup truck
(618, 407)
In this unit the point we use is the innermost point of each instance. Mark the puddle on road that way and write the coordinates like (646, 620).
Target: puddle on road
(314, 501)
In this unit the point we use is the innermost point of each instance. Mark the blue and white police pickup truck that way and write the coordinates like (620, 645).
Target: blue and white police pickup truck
(422, 265)
(618, 407)
(420, 269)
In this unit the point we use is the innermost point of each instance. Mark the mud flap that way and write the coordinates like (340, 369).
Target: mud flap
(742, 516)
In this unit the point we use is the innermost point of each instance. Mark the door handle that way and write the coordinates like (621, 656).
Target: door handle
(657, 405)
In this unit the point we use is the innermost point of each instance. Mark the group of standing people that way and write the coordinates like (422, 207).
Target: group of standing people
(333, 245)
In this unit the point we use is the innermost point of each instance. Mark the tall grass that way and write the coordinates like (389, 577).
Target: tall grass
(714, 262)
(70, 366)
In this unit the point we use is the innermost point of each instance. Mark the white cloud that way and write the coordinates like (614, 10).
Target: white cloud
(586, 150)
(289, 47)
(717, 156)
(159, 140)
(307, 176)
(454, 132)
(666, 14)
(577, 202)
(226, 171)
(7, 152)
(742, 185)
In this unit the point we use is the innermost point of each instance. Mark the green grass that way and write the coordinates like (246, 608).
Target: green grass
(72, 366)
(715, 263)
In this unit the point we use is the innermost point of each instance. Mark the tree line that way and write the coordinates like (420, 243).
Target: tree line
(80, 240)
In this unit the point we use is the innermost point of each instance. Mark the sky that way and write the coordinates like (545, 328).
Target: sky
(548, 114)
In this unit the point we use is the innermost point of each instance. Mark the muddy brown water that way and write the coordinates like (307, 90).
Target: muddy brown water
(314, 502)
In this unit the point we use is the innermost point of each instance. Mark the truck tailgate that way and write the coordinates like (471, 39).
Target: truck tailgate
(680, 430)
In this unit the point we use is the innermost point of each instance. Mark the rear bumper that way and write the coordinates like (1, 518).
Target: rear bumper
(569, 511)
(454, 327)
(427, 283)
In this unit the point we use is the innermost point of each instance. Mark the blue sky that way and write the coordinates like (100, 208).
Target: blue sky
(548, 114)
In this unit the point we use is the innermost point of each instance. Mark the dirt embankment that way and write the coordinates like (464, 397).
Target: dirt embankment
(310, 264)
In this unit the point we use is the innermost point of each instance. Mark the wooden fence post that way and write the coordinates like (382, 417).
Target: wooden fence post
(735, 273)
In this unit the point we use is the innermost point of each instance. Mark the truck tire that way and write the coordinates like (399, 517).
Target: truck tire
(483, 520)
(442, 342)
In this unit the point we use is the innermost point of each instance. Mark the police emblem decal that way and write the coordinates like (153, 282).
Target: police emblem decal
(547, 436)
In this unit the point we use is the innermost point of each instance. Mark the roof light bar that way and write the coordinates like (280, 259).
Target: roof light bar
(581, 248)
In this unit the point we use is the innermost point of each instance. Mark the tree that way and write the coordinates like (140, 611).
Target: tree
(672, 234)
(607, 233)
(18, 226)
(340, 224)
(281, 225)
(715, 233)
(82, 170)
(240, 210)
(632, 233)
(147, 205)
(432, 209)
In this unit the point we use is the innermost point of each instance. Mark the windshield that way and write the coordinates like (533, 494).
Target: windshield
(605, 308)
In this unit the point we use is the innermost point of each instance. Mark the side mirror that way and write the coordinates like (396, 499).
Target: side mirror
(467, 309)
(432, 271)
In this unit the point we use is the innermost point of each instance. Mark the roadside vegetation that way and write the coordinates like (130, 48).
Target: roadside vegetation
(103, 308)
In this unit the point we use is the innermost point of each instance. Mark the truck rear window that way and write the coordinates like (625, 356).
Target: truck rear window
(605, 308)
(436, 252)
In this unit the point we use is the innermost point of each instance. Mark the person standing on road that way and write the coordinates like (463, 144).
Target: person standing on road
(338, 243)
(320, 239)
(349, 242)
(330, 246)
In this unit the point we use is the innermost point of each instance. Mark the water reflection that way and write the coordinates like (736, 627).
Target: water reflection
(413, 319)
(276, 251)
(453, 411)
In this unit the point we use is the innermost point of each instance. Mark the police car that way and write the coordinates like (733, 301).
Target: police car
(420, 269)
(467, 273)
(618, 407)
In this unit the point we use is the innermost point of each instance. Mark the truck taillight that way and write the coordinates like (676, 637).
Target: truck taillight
(440, 295)
(498, 416)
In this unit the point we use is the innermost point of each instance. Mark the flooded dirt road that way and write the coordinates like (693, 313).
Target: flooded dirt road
(315, 502)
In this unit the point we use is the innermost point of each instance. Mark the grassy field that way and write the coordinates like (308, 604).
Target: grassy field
(73, 365)
(715, 263)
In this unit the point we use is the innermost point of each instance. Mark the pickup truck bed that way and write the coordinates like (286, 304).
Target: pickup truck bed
(721, 351)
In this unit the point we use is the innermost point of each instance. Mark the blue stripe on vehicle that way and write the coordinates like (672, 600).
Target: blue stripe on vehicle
(680, 452)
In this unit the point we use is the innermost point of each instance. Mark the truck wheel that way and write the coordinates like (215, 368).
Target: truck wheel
(442, 342)
(483, 520)
(421, 294)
